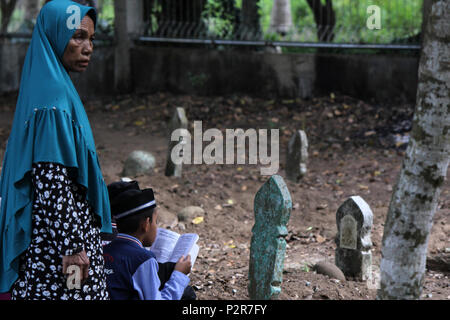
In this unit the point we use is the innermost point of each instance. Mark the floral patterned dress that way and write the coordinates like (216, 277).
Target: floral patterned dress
(63, 224)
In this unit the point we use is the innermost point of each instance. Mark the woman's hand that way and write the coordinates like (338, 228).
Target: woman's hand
(81, 260)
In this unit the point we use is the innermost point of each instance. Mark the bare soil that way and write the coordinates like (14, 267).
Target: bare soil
(354, 149)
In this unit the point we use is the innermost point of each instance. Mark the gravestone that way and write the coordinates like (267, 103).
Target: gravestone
(297, 156)
(354, 220)
(139, 162)
(272, 207)
(178, 121)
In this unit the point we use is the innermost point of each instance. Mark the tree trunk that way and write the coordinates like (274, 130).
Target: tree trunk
(250, 28)
(7, 8)
(414, 201)
(122, 73)
(325, 19)
(426, 7)
(31, 8)
(281, 17)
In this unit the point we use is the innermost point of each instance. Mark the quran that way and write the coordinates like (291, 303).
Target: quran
(169, 246)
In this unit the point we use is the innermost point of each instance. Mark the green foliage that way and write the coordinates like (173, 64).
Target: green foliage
(198, 80)
(219, 17)
(400, 20)
(105, 22)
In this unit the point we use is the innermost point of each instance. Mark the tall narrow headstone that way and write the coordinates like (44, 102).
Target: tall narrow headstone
(354, 220)
(297, 156)
(272, 208)
(178, 121)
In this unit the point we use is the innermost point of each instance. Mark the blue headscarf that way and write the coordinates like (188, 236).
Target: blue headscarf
(50, 125)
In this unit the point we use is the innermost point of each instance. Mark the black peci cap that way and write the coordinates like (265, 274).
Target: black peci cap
(131, 202)
(116, 188)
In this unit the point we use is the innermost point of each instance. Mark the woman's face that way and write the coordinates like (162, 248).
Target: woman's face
(78, 52)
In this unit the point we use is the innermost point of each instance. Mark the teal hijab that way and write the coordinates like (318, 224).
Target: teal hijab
(50, 125)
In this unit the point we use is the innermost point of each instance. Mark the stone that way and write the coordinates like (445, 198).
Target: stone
(178, 121)
(348, 234)
(138, 163)
(329, 269)
(189, 213)
(297, 156)
(167, 218)
(354, 220)
(272, 208)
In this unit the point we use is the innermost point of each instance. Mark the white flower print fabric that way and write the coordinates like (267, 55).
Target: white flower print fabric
(63, 224)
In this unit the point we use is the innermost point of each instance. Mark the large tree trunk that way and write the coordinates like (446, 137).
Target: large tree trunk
(426, 7)
(128, 24)
(414, 201)
(325, 19)
(281, 17)
(250, 28)
(7, 9)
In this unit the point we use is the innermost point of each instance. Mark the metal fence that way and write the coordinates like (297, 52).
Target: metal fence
(392, 24)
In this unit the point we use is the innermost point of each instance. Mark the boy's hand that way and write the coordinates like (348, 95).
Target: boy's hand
(184, 265)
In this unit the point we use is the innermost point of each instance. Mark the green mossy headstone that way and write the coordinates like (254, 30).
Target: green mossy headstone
(272, 208)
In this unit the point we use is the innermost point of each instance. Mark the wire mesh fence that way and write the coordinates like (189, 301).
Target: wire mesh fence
(293, 21)
(307, 23)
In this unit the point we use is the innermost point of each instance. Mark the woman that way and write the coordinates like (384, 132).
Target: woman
(54, 198)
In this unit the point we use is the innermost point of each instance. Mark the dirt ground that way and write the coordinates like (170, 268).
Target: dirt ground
(355, 148)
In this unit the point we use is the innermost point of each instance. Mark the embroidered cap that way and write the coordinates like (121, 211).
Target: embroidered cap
(131, 202)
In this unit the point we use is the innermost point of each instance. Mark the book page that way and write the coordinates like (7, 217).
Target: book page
(184, 246)
(164, 244)
(194, 253)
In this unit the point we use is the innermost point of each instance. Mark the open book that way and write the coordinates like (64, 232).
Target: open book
(169, 246)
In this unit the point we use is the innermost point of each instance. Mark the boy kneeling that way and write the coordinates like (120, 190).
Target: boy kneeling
(131, 270)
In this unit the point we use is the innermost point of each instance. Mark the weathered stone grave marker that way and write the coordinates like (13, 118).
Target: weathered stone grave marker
(297, 156)
(272, 207)
(354, 220)
(178, 121)
(138, 162)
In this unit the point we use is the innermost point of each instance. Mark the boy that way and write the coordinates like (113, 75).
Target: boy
(114, 189)
(131, 270)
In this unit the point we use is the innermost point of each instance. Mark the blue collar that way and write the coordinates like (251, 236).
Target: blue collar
(129, 238)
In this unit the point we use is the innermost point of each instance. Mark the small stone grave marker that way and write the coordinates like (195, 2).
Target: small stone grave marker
(348, 232)
(297, 156)
(178, 121)
(354, 220)
(272, 207)
(139, 162)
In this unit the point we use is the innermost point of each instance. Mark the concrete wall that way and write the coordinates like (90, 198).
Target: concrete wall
(12, 56)
(222, 72)
(379, 77)
(98, 79)
(214, 72)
